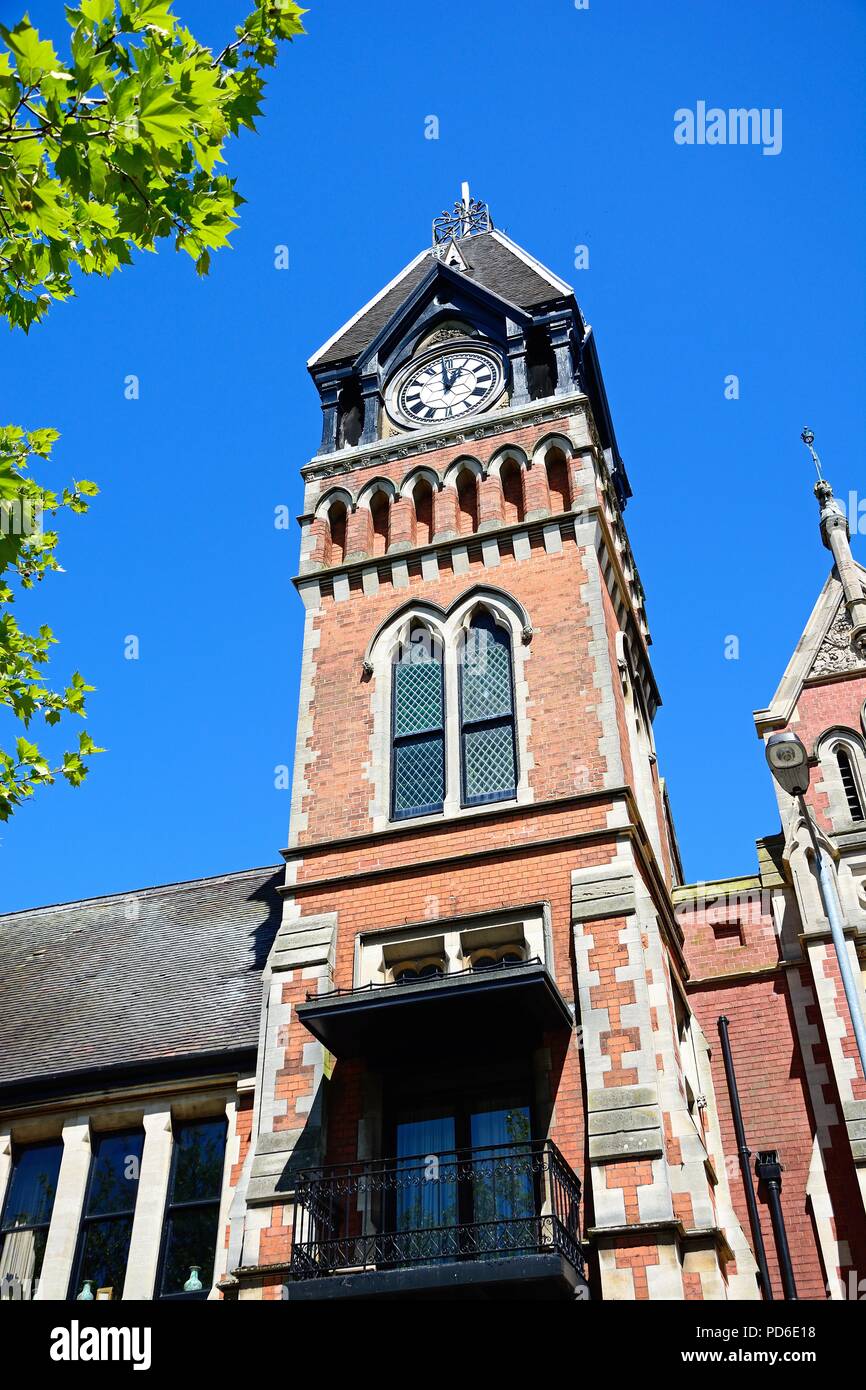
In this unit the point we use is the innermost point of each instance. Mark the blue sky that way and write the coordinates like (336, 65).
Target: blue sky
(704, 262)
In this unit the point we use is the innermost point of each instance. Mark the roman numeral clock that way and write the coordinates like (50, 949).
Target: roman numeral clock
(450, 381)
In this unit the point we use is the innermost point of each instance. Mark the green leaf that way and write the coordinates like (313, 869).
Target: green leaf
(33, 56)
(162, 118)
(153, 14)
(97, 11)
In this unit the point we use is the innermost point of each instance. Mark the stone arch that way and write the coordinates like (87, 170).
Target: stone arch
(446, 621)
(334, 494)
(520, 456)
(555, 453)
(412, 477)
(841, 754)
(369, 490)
(454, 469)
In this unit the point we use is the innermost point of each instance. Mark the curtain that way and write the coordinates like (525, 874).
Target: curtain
(426, 1207)
(503, 1187)
(21, 1258)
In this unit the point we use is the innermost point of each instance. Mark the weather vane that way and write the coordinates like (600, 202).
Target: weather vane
(808, 439)
(468, 217)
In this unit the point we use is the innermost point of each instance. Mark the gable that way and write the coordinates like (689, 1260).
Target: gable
(491, 260)
(824, 650)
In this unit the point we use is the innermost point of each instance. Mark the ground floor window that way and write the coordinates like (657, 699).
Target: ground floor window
(109, 1208)
(26, 1217)
(191, 1222)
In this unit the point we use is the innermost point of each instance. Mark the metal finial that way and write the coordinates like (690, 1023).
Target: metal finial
(468, 217)
(808, 439)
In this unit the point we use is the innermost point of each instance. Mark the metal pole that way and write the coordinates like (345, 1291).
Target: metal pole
(769, 1171)
(745, 1154)
(833, 914)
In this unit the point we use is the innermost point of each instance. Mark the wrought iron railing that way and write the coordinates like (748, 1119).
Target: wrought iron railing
(507, 1199)
(498, 967)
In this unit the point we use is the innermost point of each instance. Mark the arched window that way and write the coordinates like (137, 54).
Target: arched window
(512, 492)
(849, 784)
(557, 481)
(337, 533)
(467, 502)
(380, 509)
(423, 498)
(418, 725)
(487, 743)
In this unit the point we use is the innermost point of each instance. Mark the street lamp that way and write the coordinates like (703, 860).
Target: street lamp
(789, 764)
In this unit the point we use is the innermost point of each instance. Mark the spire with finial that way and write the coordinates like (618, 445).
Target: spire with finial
(468, 217)
(836, 535)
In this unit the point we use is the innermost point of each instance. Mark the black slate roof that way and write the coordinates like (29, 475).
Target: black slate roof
(489, 261)
(167, 972)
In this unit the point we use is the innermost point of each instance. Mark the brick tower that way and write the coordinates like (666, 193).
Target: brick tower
(478, 1072)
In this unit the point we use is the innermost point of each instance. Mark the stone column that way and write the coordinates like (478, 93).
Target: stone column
(329, 396)
(359, 534)
(232, 1151)
(66, 1217)
(149, 1206)
(517, 357)
(560, 341)
(402, 528)
(5, 1161)
(490, 505)
(536, 491)
(372, 405)
(445, 514)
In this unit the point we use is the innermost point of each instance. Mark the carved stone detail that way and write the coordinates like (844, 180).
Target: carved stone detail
(836, 653)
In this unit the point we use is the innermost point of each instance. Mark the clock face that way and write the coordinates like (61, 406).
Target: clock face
(455, 380)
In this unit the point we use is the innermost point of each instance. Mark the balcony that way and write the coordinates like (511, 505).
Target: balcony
(464, 1006)
(494, 1222)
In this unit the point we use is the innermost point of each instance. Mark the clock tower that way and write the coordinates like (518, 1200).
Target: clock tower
(478, 1071)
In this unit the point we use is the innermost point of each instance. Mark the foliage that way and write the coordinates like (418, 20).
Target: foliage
(27, 554)
(105, 152)
(118, 146)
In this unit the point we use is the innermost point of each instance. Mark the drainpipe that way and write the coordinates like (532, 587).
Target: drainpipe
(745, 1154)
(769, 1171)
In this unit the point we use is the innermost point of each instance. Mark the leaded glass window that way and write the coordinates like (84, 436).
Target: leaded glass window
(192, 1216)
(418, 771)
(488, 749)
(109, 1207)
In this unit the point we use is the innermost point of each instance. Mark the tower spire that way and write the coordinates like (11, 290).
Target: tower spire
(836, 535)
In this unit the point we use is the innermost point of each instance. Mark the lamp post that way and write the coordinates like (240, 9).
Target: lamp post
(789, 764)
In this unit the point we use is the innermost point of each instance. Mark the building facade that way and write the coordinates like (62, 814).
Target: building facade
(467, 1045)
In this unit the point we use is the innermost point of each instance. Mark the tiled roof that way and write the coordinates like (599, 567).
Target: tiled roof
(490, 259)
(160, 973)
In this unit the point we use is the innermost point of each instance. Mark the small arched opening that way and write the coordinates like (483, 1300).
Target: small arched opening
(467, 502)
(380, 511)
(513, 506)
(556, 466)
